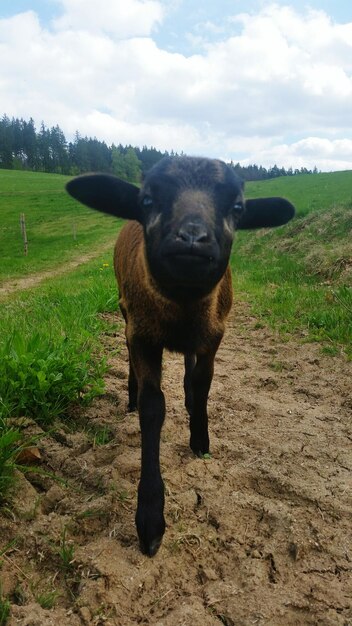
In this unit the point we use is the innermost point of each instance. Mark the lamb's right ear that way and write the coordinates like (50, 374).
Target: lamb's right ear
(108, 194)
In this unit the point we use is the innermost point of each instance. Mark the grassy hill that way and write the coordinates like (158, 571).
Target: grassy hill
(58, 228)
(298, 277)
(309, 193)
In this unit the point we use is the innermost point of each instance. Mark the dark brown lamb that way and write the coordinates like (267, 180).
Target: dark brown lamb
(172, 268)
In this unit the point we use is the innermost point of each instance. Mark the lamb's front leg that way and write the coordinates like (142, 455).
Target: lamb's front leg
(202, 376)
(146, 360)
(190, 361)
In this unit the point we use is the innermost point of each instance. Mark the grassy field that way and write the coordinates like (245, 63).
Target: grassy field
(308, 193)
(58, 228)
(297, 279)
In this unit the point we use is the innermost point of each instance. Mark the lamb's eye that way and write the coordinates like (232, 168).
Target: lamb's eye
(147, 201)
(238, 207)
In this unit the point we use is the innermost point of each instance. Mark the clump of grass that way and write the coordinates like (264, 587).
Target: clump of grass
(49, 353)
(9, 447)
(4, 609)
(71, 574)
(42, 375)
(47, 599)
(66, 553)
(100, 436)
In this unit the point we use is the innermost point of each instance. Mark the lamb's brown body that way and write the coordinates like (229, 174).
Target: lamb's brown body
(191, 327)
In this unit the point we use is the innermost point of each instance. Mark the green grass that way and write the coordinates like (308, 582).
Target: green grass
(308, 192)
(66, 553)
(5, 607)
(49, 351)
(100, 436)
(50, 356)
(47, 599)
(10, 445)
(52, 218)
(298, 278)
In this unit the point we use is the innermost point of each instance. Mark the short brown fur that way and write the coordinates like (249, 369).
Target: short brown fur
(157, 319)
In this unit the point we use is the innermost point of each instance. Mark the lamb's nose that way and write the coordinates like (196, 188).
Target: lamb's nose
(192, 232)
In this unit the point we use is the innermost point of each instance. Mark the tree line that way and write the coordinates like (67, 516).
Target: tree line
(23, 147)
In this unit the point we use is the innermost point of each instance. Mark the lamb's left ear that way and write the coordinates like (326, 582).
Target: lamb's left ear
(106, 193)
(266, 213)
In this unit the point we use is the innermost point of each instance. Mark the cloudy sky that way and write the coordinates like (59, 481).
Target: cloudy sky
(249, 80)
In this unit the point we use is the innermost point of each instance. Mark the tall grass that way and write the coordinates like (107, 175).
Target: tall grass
(298, 278)
(49, 351)
(5, 607)
(50, 355)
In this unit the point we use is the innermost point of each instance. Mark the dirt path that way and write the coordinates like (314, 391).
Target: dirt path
(28, 282)
(260, 534)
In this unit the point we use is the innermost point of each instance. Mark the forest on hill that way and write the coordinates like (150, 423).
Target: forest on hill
(23, 147)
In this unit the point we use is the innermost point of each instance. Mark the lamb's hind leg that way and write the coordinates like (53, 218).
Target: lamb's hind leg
(132, 379)
(132, 386)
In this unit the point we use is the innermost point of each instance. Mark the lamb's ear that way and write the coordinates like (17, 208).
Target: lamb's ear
(107, 194)
(266, 213)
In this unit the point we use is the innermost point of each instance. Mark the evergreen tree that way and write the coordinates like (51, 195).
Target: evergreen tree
(132, 166)
(58, 151)
(118, 162)
(30, 147)
(21, 146)
(6, 154)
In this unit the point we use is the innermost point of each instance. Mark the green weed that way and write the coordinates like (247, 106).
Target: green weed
(49, 351)
(100, 436)
(66, 553)
(4, 609)
(10, 439)
(123, 495)
(47, 599)
(41, 375)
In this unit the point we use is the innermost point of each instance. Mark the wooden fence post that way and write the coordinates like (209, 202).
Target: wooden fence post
(24, 233)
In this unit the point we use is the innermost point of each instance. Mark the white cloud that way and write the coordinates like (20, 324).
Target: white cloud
(121, 18)
(278, 74)
(327, 155)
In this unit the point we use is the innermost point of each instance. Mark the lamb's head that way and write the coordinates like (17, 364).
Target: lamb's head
(189, 208)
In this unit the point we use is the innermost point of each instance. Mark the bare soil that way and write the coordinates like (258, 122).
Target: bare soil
(258, 534)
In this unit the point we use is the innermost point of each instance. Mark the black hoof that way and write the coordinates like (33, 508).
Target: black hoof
(200, 447)
(151, 548)
(131, 407)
